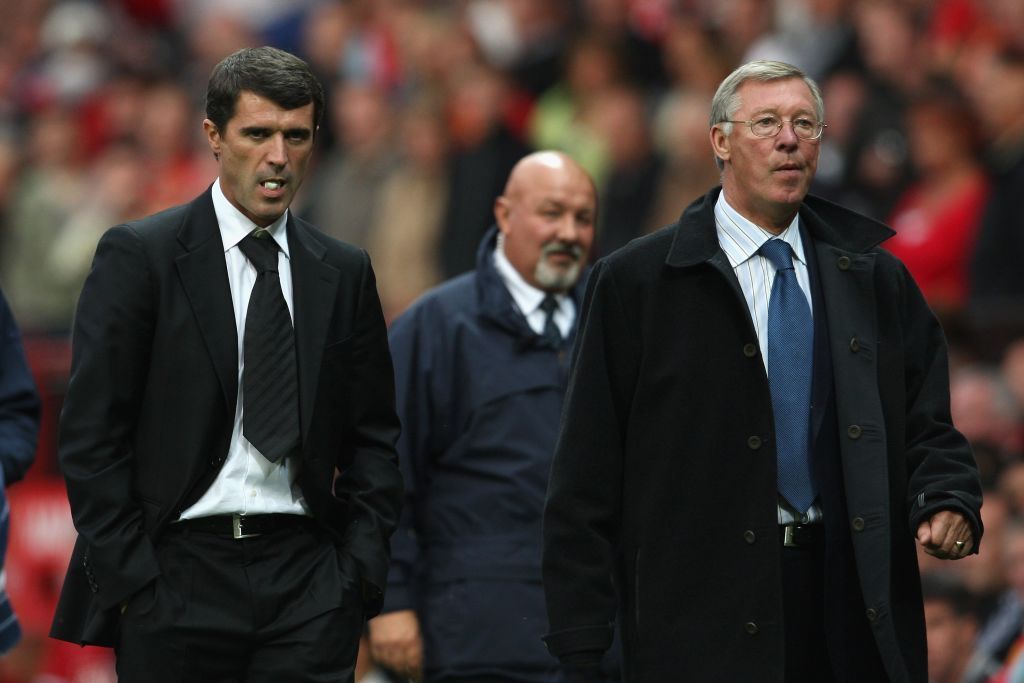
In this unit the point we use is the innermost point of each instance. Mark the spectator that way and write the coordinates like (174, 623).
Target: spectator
(997, 280)
(952, 626)
(345, 197)
(483, 153)
(405, 241)
(634, 170)
(936, 219)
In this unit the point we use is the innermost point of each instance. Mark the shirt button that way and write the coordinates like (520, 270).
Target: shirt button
(749, 536)
(751, 628)
(871, 614)
(843, 262)
(854, 345)
(754, 442)
(749, 350)
(857, 524)
(853, 431)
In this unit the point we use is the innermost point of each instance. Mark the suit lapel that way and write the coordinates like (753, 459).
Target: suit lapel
(315, 286)
(204, 275)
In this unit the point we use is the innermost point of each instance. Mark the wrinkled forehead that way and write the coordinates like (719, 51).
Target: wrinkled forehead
(780, 95)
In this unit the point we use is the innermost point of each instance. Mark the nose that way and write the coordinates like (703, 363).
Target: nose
(277, 154)
(568, 230)
(787, 139)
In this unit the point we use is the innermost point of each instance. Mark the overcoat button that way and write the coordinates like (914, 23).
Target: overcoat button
(853, 431)
(843, 262)
(854, 345)
(749, 536)
(754, 442)
(750, 627)
(749, 350)
(858, 524)
(871, 614)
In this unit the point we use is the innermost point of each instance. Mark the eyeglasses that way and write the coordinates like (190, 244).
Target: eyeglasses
(768, 126)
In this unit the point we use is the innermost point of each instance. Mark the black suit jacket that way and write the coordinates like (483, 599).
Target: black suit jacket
(151, 402)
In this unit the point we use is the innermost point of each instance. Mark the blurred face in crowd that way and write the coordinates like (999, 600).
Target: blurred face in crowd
(263, 153)
(950, 641)
(765, 179)
(547, 217)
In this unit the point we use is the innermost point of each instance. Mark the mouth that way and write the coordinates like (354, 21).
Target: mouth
(564, 253)
(273, 187)
(789, 167)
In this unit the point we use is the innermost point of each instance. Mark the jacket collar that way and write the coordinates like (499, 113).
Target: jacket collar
(495, 301)
(696, 239)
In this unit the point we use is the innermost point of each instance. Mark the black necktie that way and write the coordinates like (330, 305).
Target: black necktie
(270, 386)
(551, 332)
(790, 356)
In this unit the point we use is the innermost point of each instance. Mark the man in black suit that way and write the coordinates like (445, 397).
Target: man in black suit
(229, 428)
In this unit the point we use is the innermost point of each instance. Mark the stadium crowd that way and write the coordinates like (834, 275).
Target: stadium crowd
(431, 103)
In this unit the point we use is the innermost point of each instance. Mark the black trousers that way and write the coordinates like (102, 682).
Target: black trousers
(803, 604)
(271, 608)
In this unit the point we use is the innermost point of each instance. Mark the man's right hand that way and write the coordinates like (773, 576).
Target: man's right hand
(395, 642)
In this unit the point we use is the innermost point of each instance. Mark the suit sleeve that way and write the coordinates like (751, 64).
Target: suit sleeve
(19, 403)
(582, 511)
(110, 355)
(942, 471)
(370, 481)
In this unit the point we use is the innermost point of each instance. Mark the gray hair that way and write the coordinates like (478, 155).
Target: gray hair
(727, 98)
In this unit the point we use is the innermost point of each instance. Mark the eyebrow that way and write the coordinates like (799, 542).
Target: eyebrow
(302, 130)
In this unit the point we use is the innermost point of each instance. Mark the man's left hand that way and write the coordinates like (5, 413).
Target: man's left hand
(946, 535)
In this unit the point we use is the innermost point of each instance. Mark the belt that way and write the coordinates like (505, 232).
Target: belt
(242, 526)
(800, 535)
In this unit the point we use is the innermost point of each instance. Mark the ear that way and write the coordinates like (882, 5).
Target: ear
(212, 136)
(501, 211)
(720, 143)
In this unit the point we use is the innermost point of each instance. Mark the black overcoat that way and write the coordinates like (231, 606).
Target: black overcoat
(662, 500)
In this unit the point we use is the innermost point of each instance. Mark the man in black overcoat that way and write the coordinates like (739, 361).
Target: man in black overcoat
(756, 433)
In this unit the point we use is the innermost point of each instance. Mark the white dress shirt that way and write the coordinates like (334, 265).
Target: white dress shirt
(740, 239)
(528, 298)
(248, 483)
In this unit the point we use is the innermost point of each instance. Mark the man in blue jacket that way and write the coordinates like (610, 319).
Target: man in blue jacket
(19, 427)
(481, 368)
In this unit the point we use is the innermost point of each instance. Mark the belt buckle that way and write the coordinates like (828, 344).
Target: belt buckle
(789, 536)
(236, 527)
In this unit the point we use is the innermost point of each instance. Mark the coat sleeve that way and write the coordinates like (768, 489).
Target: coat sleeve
(110, 355)
(19, 403)
(582, 515)
(941, 467)
(410, 351)
(370, 481)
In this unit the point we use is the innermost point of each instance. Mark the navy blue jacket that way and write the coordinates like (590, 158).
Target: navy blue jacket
(19, 427)
(480, 396)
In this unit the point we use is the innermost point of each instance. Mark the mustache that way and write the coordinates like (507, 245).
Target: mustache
(574, 250)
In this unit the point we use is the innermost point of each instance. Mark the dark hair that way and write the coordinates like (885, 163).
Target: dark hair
(269, 72)
(950, 590)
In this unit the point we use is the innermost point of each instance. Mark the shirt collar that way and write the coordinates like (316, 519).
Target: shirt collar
(234, 225)
(740, 238)
(526, 296)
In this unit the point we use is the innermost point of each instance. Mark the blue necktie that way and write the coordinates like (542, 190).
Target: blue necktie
(790, 356)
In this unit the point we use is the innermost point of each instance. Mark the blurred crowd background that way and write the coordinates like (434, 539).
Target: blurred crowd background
(431, 102)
